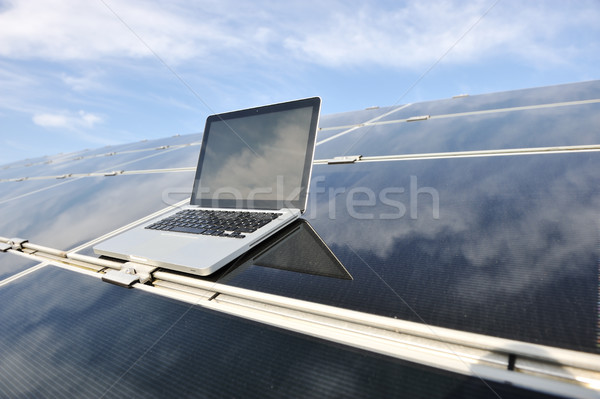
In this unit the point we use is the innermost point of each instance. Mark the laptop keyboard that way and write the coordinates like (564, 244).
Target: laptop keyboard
(234, 224)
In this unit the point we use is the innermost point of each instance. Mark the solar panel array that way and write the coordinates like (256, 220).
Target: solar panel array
(476, 213)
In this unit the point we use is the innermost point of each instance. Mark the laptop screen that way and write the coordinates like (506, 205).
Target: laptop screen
(259, 158)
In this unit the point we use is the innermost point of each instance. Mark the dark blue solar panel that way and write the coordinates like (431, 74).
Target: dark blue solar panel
(169, 141)
(354, 117)
(82, 209)
(512, 253)
(34, 167)
(11, 264)
(72, 211)
(325, 134)
(184, 157)
(14, 190)
(69, 335)
(509, 99)
(23, 163)
(561, 126)
(152, 159)
(505, 246)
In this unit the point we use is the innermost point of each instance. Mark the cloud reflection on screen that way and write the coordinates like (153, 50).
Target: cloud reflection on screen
(256, 158)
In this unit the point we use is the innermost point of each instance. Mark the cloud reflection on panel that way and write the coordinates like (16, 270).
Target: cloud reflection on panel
(76, 211)
(561, 126)
(495, 205)
(516, 241)
(506, 99)
(68, 327)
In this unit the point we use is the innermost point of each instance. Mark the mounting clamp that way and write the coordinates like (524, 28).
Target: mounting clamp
(17, 243)
(344, 159)
(129, 274)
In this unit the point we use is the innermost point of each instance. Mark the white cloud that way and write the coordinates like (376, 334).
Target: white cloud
(418, 33)
(50, 120)
(66, 120)
(335, 34)
(87, 81)
(88, 119)
(73, 30)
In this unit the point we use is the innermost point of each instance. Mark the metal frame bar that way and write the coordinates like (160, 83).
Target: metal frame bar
(457, 115)
(470, 154)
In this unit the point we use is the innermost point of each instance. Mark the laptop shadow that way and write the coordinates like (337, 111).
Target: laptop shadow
(296, 248)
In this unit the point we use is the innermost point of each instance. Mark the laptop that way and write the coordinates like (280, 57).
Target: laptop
(251, 180)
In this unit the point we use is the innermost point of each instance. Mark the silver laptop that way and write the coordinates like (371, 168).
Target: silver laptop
(251, 180)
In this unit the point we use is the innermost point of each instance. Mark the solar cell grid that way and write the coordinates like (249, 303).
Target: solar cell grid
(548, 127)
(66, 334)
(70, 212)
(508, 99)
(505, 246)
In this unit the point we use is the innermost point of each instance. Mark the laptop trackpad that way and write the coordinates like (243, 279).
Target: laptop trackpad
(164, 243)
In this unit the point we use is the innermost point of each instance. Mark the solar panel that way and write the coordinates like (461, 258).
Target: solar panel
(488, 242)
(354, 117)
(516, 98)
(12, 264)
(67, 213)
(545, 127)
(496, 245)
(66, 334)
(105, 161)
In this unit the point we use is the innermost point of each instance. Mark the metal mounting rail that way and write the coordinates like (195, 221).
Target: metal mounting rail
(469, 154)
(351, 128)
(537, 367)
(42, 253)
(346, 159)
(67, 158)
(102, 174)
(377, 121)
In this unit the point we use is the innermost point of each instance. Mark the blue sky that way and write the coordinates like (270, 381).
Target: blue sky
(76, 75)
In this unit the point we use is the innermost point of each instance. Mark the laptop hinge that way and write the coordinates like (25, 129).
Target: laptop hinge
(344, 159)
(129, 274)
